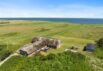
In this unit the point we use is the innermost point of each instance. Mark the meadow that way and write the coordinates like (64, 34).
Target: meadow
(14, 34)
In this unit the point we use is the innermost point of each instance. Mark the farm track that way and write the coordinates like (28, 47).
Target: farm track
(2, 62)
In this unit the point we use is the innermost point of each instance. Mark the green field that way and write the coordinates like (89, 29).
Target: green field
(15, 34)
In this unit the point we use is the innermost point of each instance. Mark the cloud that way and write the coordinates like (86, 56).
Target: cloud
(80, 11)
(66, 11)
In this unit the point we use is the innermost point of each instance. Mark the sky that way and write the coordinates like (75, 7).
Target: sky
(51, 8)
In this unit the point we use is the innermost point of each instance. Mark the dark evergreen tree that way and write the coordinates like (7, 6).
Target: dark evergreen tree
(99, 43)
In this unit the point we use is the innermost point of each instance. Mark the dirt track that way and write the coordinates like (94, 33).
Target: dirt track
(2, 62)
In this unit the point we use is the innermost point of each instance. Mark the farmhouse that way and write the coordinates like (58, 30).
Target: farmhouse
(37, 44)
(53, 43)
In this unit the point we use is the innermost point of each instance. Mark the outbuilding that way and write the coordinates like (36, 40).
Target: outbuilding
(89, 47)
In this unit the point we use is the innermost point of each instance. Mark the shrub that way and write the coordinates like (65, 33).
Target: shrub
(65, 61)
(99, 53)
(2, 46)
(48, 57)
(10, 34)
(51, 56)
(5, 55)
(99, 43)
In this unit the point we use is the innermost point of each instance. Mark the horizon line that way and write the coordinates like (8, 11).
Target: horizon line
(49, 17)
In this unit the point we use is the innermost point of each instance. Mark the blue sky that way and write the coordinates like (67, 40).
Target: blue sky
(52, 8)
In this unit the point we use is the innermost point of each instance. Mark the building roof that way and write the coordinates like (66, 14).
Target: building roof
(90, 47)
(38, 43)
(28, 48)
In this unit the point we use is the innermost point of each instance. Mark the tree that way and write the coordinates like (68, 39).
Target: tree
(99, 43)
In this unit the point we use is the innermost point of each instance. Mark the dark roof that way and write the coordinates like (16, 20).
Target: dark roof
(90, 47)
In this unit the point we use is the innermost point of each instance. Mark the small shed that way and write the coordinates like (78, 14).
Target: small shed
(89, 47)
